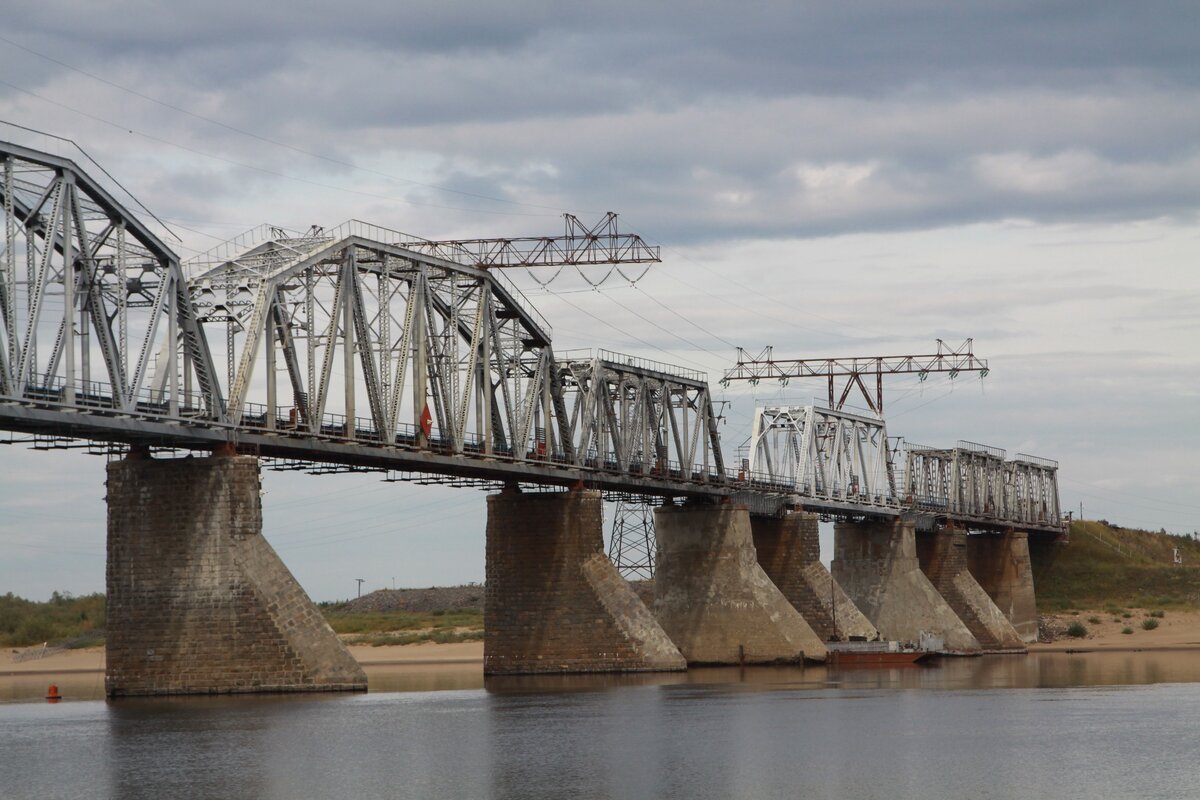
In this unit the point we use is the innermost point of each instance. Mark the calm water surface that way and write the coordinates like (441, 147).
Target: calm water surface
(1117, 725)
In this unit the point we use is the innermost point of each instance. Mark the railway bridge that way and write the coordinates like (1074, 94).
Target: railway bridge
(361, 348)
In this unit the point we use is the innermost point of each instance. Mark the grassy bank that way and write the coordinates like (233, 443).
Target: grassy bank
(407, 627)
(1105, 566)
(79, 621)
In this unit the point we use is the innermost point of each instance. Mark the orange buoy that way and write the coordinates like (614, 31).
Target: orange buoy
(52, 693)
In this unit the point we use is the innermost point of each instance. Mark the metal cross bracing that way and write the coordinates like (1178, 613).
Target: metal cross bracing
(631, 547)
(88, 298)
(855, 369)
(344, 349)
(580, 245)
(973, 484)
(836, 460)
(328, 346)
(829, 458)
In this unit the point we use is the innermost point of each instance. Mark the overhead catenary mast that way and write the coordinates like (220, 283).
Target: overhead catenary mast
(855, 369)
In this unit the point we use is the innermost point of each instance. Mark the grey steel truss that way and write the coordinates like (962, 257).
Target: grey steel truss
(92, 302)
(639, 416)
(364, 340)
(362, 348)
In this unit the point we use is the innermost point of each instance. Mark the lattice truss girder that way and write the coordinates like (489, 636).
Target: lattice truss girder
(975, 481)
(824, 454)
(634, 420)
(90, 299)
(409, 348)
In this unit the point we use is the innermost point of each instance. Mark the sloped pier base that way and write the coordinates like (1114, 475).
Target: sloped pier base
(198, 601)
(876, 563)
(789, 551)
(1000, 563)
(943, 557)
(554, 602)
(714, 600)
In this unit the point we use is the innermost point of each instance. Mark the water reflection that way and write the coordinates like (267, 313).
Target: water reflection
(984, 727)
(1037, 670)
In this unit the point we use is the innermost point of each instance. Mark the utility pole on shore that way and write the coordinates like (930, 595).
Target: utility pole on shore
(360, 583)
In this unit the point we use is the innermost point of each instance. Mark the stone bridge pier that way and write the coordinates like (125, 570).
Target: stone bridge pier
(789, 551)
(553, 601)
(943, 557)
(876, 563)
(712, 597)
(1000, 563)
(198, 601)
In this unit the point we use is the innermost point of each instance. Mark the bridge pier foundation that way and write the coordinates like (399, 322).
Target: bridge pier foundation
(789, 551)
(198, 601)
(1000, 563)
(876, 563)
(554, 602)
(712, 597)
(943, 558)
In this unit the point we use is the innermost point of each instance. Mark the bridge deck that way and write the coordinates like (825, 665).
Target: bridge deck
(153, 426)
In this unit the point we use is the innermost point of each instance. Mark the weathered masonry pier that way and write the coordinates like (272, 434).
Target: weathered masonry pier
(554, 602)
(359, 348)
(198, 602)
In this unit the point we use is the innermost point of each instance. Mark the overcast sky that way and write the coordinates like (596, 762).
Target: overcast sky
(831, 179)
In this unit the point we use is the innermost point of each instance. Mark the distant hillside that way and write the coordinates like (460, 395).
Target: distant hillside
(1106, 565)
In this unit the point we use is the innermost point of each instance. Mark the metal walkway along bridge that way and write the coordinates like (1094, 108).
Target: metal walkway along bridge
(363, 348)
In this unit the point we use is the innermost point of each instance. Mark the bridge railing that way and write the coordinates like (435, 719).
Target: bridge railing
(98, 397)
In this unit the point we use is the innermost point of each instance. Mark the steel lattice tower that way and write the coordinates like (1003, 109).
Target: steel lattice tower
(631, 547)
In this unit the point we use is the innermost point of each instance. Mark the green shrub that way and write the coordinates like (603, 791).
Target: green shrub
(1077, 630)
(1095, 620)
(63, 616)
(1126, 615)
(1127, 630)
(1149, 624)
(1158, 613)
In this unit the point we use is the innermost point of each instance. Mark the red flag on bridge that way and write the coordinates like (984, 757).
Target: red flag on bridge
(426, 421)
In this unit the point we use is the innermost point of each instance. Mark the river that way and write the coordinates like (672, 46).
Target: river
(1097, 725)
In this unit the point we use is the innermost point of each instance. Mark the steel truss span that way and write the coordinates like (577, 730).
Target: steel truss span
(839, 460)
(336, 347)
(363, 348)
(974, 483)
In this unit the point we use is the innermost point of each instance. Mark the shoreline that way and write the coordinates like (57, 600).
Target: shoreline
(1178, 631)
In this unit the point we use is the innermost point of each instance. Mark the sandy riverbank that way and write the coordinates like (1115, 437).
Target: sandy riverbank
(91, 659)
(1176, 630)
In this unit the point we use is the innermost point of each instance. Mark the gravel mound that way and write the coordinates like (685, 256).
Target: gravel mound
(435, 598)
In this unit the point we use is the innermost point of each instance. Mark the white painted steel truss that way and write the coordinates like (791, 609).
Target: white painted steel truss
(976, 482)
(823, 455)
(639, 416)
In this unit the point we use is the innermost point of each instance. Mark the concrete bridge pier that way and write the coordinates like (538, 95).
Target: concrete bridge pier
(712, 597)
(943, 557)
(553, 601)
(789, 551)
(1000, 563)
(198, 601)
(876, 563)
